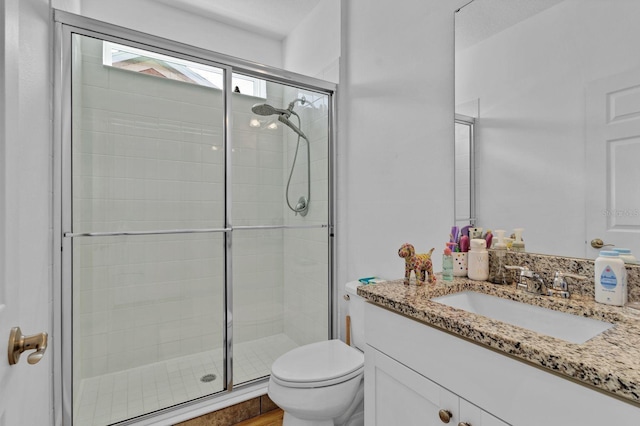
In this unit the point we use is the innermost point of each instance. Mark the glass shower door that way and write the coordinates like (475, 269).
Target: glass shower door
(146, 226)
(280, 256)
(195, 221)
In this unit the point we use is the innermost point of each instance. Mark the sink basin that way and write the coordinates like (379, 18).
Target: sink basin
(561, 325)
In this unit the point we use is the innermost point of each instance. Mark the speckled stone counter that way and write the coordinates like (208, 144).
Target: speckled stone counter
(609, 361)
(546, 265)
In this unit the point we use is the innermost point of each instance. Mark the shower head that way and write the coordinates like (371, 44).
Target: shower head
(266, 109)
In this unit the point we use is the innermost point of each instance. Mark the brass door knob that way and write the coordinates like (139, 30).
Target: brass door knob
(445, 415)
(19, 343)
(597, 243)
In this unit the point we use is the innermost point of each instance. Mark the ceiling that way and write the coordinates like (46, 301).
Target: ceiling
(481, 19)
(271, 18)
(275, 19)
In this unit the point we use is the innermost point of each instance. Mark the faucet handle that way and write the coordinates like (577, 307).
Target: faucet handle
(519, 268)
(560, 286)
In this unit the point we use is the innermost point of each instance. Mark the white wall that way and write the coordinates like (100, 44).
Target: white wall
(313, 47)
(175, 24)
(72, 6)
(530, 141)
(396, 134)
(396, 145)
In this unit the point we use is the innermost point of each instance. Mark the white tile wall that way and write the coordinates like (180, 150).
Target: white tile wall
(306, 251)
(148, 154)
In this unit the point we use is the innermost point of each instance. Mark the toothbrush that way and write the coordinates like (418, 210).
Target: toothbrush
(453, 237)
(488, 238)
(464, 243)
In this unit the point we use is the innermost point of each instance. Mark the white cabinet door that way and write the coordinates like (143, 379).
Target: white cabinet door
(613, 150)
(473, 415)
(397, 395)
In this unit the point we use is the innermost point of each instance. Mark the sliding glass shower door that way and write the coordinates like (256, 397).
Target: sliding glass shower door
(196, 242)
(147, 194)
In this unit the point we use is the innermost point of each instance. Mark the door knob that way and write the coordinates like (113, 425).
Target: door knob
(597, 243)
(19, 343)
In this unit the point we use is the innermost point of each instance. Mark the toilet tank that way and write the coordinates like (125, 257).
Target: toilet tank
(355, 309)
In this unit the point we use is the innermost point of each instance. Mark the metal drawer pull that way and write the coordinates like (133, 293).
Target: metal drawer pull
(445, 415)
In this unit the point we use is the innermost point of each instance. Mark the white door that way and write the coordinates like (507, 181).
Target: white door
(613, 162)
(25, 194)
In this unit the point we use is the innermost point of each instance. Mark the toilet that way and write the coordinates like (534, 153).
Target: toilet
(322, 384)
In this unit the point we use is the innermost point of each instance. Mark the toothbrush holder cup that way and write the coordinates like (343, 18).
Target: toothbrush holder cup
(459, 264)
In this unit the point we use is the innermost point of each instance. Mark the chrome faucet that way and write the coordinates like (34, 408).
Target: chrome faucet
(560, 286)
(529, 281)
(532, 282)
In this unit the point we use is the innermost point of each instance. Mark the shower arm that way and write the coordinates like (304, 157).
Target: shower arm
(292, 104)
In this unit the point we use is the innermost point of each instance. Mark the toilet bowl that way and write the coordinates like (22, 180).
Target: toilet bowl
(322, 384)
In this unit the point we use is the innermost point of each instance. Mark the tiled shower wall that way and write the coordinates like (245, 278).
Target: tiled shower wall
(306, 251)
(148, 155)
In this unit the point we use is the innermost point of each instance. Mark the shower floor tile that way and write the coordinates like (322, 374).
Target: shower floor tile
(116, 397)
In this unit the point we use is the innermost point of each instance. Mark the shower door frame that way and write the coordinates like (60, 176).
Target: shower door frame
(65, 25)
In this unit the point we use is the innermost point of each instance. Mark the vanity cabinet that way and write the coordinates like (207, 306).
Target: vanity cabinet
(413, 370)
(397, 395)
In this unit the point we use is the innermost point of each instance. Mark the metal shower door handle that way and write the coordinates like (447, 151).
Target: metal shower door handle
(19, 343)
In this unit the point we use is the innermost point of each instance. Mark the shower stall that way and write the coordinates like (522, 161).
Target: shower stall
(196, 220)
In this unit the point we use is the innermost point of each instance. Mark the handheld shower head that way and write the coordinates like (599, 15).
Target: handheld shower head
(283, 116)
(266, 109)
(293, 127)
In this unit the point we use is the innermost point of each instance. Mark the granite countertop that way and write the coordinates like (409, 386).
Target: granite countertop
(609, 362)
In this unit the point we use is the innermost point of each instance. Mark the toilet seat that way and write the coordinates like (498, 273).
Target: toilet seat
(317, 365)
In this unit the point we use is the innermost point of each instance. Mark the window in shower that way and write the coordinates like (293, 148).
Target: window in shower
(163, 66)
(175, 223)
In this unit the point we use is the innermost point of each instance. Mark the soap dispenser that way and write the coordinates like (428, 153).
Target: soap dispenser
(447, 265)
(500, 251)
(518, 244)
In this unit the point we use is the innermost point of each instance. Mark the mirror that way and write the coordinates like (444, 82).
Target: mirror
(536, 78)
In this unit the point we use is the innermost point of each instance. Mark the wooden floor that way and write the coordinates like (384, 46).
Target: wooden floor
(272, 418)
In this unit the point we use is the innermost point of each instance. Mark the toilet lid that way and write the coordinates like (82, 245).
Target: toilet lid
(318, 363)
